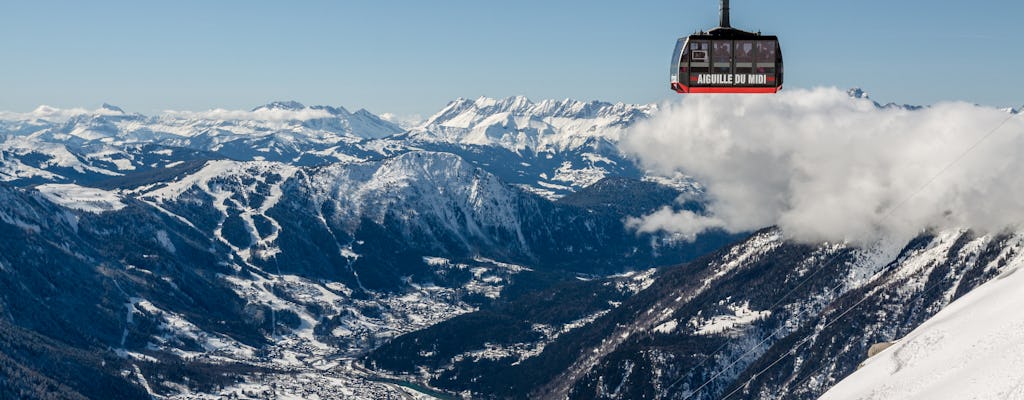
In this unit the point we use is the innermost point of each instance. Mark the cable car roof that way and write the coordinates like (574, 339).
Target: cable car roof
(731, 33)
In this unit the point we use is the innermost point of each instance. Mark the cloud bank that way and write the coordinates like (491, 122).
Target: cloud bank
(218, 114)
(56, 114)
(824, 166)
(262, 114)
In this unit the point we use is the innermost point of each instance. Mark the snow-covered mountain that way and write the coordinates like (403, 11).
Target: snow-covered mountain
(111, 124)
(149, 251)
(859, 93)
(551, 148)
(520, 125)
(970, 349)
(764, 318)
(305, 251)
(109, 141)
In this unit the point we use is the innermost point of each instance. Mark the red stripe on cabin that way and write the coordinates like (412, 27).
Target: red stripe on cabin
(741, 90)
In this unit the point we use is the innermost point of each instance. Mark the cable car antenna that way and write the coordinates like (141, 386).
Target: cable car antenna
(723, 20)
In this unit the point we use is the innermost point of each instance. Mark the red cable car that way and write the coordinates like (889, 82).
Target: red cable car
(726, 60)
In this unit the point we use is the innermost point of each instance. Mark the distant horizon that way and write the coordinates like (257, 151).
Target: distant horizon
(410, 58)
(395, 117)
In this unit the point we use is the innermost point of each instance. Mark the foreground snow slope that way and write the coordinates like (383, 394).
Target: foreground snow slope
(972, 349)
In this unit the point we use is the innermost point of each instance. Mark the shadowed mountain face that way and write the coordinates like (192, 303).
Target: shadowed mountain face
(211, 252)
(221, 261)
(758, 319)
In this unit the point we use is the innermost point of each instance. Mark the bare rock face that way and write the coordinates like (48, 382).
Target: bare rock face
(878, 348)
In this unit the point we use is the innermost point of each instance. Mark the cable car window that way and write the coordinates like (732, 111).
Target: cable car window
(699, 51)
(765, 51)
(765, 58)
(683, 65)
(721, 55)
(744, 51)
(744, 57)
(699, 57)
(723, 51)
(679, 60)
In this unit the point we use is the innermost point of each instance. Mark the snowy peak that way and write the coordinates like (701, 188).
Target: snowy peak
(362, 123)
(858, 93)
(290, 105)
(518, 124)
(112, 108)
(551, 147)
(371, 126)
(45, 113)
(241, 134)
(461, 108)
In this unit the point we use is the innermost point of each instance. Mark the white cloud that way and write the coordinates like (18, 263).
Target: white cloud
(263, 114)
(404, 121)
(685, 223)
(824, 166)
(50, 113)
(219, 114)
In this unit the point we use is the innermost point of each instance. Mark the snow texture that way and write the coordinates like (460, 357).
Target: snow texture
(972, 349)
(81, 198)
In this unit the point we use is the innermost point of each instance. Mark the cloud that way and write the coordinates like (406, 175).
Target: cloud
(219, 114)
(685, 223)
(824, 166)
(262, 114)
(55, 114)
(404, 121)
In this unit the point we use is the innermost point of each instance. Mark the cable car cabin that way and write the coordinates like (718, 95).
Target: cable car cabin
(727, 60)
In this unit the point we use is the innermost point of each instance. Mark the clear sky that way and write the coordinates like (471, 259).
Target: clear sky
(412, 57)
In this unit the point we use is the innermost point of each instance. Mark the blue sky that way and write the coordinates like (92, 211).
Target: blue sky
(412, 57)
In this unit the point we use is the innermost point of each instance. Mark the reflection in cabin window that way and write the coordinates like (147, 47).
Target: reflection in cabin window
(699, 51)
(744, 52)
(765, 52)
(721, 56)
(700, 57)
(765, 58)
(744, 57)
(723, 51)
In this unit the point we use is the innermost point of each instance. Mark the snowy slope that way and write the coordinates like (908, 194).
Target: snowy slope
(434, 193)
(972, 349)
(81, 198)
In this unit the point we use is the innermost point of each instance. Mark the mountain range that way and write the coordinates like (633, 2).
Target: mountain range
(309, 251)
